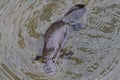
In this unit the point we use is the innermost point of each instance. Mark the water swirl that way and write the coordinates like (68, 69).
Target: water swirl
(96, 47)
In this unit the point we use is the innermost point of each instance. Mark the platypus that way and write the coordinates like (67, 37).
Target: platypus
(56, 36)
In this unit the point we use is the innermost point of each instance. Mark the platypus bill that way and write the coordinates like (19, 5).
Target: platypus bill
(56, 36)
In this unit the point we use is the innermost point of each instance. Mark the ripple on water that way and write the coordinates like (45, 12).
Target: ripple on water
(22, 27)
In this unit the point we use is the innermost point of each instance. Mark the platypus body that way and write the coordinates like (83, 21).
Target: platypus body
(56, 36)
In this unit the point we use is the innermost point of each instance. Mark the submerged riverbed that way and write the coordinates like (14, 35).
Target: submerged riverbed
(96, 46)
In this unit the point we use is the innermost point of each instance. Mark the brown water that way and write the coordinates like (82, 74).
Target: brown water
(96, 46)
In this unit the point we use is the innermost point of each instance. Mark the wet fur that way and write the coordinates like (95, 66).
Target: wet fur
(55, 38)
(50, 31)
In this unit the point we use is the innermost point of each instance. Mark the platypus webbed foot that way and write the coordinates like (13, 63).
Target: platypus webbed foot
(77, 26)
(68, 55)
(38, 58)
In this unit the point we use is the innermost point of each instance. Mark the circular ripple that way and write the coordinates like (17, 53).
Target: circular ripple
(24, 22)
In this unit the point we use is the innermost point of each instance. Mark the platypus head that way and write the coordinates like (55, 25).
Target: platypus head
(74, 13)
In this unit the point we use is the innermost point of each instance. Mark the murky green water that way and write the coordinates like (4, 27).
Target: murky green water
(96, 47)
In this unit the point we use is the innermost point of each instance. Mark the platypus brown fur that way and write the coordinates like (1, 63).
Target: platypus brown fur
(56, 36)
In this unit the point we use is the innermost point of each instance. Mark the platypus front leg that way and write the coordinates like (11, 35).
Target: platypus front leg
(76, 26)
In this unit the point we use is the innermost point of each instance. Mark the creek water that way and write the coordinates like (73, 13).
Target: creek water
(96, 46)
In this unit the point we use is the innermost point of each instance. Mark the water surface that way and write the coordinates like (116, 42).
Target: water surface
(96, 46)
